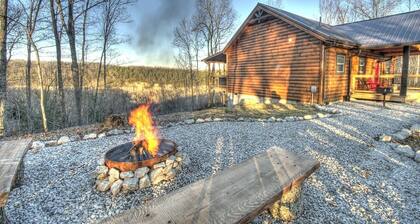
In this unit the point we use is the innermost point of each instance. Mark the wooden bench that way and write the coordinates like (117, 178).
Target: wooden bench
(235, 195)
(11, 155)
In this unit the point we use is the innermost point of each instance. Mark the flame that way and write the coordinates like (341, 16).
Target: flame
(146, 133)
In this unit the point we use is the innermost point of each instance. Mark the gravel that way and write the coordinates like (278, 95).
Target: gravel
(360, 179)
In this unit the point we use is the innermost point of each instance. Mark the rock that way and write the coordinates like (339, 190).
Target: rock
(101, 161)
(271, 119)
(90, 136)
(189, 121)
(103, 185)
(199, 120)
(217, 119)
(240, 119)
(144, 182)
(289, 118)
(208, 119)
(175, 164)
(308, 117)
(51, 143)
(116, 187)
(37, 145)
(141, 172)
(405, 150)
(130, 184)
(101, 170)
(102, 176)
(170, 174)
(402, 135)
(114, 174)
(157, 176)
(75, 138)
(385, 138)
(320, 115)
(63, 140)
(159, 165)
(179, 156)
(127, 174)
(415, 128)
(417, 157)
(115, 132)
(102, 135)
(171, 159)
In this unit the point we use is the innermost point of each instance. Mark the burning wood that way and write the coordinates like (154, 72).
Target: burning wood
(146, 133)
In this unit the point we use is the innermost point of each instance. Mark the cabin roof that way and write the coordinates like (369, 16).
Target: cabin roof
(389, 31)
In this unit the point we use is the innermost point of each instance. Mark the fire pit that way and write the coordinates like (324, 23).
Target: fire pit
(147, 160)
(130, 156)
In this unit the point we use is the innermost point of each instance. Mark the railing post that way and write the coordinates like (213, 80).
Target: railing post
(405, 67)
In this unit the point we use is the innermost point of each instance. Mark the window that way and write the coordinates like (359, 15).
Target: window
(362, 65)
(341, 61)
(387, 67)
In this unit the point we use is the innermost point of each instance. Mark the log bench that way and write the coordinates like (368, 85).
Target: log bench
(235, 195)
(11, 156)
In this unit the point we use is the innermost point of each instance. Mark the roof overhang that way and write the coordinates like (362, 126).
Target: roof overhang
(219, 57)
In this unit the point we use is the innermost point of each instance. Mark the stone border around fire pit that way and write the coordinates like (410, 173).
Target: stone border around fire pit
(115, 181)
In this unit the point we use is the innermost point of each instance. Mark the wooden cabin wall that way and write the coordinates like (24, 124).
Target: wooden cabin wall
(274, 59)
(335, 85)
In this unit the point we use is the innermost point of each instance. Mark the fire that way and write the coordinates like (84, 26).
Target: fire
(146, 133)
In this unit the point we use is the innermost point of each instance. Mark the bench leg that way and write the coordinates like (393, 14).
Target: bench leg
(289, 206)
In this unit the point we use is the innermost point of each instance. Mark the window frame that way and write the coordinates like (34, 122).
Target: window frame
(338, 64)
(362, 71)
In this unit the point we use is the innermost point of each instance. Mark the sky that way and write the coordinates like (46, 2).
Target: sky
(153, 23)
(150, 30)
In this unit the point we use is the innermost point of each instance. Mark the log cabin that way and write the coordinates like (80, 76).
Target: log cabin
(276, 55)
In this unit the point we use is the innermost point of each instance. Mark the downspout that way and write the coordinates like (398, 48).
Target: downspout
(322, 75)
(349, 78)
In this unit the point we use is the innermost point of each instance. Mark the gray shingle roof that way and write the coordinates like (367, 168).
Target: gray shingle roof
(399, 29)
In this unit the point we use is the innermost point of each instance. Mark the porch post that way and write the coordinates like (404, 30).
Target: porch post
(405, 66)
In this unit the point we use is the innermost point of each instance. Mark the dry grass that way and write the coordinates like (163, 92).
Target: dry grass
(246, 110)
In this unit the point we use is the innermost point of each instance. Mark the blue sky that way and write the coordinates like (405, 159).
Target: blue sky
(161, 52)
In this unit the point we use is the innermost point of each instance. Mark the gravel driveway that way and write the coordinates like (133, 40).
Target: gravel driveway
(360, 179)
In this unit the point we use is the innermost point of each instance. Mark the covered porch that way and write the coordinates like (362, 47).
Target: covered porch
(397, 67)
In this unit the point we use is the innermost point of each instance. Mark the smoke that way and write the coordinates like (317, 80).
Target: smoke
(156, 21)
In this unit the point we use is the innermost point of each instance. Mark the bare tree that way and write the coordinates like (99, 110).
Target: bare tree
(69, 26)
(370, 9)
(32, 13)
(112, 14)
(343, 11)
(3, 65)
(215, 19)
(183, 41)
(15, 30)
(57, 38)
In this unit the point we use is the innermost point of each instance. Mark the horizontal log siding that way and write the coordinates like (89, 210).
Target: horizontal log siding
(335, 84)
(263, 62)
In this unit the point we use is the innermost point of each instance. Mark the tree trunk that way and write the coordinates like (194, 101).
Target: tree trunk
(59, 71)
(3, 66)
(28, 83)
(42, 94)
(74, 65)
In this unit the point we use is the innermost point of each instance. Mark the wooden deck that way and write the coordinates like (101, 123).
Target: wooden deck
(234, 195)
(11, 155)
